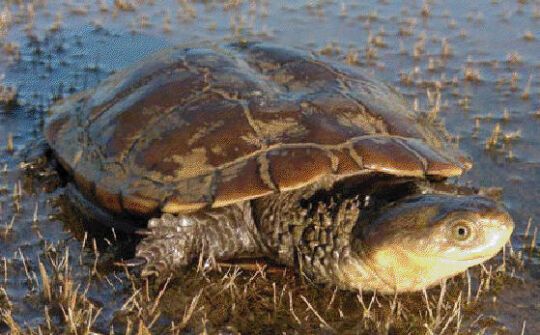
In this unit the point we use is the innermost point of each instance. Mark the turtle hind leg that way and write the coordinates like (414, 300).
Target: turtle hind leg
(171, 242)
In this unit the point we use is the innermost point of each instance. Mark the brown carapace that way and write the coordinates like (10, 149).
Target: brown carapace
(193, 128)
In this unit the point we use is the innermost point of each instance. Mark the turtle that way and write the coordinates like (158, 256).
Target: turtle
(252, 149)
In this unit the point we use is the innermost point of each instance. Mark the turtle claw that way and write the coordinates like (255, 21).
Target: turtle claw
(143, 232)
(147, 268)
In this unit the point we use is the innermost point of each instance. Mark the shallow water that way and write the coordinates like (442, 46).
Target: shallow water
(481, 55)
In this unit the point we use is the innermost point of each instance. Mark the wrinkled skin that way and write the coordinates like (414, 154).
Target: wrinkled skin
(406, 246)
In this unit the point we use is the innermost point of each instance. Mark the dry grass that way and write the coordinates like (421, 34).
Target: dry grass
(513, 58)
(471, 74)
(8, 94)
(493, 139)
(526, 91)
(529, 36)
(213, 300)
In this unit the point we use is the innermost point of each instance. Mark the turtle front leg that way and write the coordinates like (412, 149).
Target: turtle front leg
(171, 241)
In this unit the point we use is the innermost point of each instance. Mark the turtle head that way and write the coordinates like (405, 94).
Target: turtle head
(421, 240)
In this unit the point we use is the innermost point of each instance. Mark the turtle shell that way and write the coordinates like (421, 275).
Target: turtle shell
(193, 128)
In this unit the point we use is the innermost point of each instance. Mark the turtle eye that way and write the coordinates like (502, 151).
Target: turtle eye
(461, 230)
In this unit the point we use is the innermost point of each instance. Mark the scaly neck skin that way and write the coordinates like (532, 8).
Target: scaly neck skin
(317, 240)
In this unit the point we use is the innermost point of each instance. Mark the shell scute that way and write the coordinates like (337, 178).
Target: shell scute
(130, 80)
(242, 181)
(387, 154)
(436, 162)
(126, 120)
(292, 168)
(110, 200)
(138, 197)
(346, 164)
(212, 133)
(192, 128)
(190, 195)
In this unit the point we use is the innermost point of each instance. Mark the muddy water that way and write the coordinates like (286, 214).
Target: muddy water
(475, 63)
